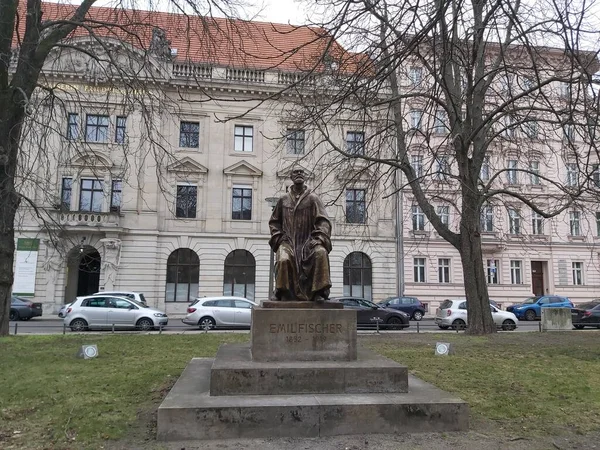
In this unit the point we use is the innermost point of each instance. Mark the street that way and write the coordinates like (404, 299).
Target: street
(55, 326)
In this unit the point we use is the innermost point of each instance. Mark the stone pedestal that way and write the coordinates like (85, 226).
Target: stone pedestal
(302, 376)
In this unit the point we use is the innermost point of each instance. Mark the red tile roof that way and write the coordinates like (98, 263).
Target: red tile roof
(216, 41)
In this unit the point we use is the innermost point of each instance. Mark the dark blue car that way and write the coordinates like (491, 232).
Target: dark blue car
(410, 305)
(531, 308)
(24, 309)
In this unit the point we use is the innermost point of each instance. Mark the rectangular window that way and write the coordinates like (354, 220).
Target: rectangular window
(416, 161)
(120, 129)
(534, 173)
(444, 270)
(355, 206)
(241, 203)
(444, 213)
(531, 129)
(415, 75)
(243, 135)
(442, 170)
(96, 128)
(189, 135)
(516, 277)
(419, 270)
(569, 133)
(511, 173)
(537, 223)
(355, 142)
(440, 122)
(295, 142)
(418, 219)
(598, 224)
(577, 273)
(514, 221)
(116, 195)
(73, 126)
(596, 175)
(492, 266)
(416, 119)
(575, 223)
(65, 194)
(91, 195)
(572, 174)
(484, 173)
(487, 219)
(187, 200)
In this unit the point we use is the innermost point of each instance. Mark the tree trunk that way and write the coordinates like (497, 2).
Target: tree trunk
(478, 305)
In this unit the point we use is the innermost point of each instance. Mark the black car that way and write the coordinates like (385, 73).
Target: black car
(586, 315)
(368, 313)
(410, 305)
(23, 309)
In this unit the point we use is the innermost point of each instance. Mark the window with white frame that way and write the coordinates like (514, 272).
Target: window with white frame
(487, 218)
(241, 205)
(440, 122)
(355, 142)
(444, 214)
(65, 193)
(531, 129)
(508, 126)
(484, 173)
(96, 128)
(416, 119)
(416, 161)
(577, 269)
(189, 134)
(356, 208)
(243, 136)
(73, 126)
(116, 195)
(442, 170)
(511, 172)
(492, 267)
(120, 129)
(514, 221)
(534, 173)
(537, 223)
(186, 201)
(572, 174)
(419, 270)
(418, 219)
(516, 272)
(575, 223)
(569, 132)
(91, 195)
(444, 270)
(596, 175)
(598, 224)
(295, 142)
(415, 75)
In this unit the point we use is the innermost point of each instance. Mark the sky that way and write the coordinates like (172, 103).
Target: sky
(283, 11)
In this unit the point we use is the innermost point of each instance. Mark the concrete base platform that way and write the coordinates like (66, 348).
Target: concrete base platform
(234, 373)
(189, 412)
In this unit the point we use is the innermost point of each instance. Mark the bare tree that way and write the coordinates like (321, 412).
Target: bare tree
(463, 100)
(118, 47)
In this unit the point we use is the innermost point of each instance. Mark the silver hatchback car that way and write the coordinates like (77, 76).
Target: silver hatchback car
(213, 312)
(106, 311)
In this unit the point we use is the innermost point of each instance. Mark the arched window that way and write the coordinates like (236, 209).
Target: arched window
(183, 273)
(357, 275)
(240, 274)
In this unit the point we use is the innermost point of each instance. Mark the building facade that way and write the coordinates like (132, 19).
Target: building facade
(168, 191)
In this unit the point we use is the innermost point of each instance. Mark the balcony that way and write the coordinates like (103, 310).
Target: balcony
(87, 219)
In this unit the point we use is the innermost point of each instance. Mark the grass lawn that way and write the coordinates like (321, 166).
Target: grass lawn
(526, 382)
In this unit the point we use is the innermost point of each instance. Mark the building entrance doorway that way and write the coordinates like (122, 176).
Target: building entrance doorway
(537, 277)
(83, 272)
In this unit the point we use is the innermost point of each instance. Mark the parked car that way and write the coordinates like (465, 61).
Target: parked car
(62, 312)
(410, 305)
(137, 296)
(531, 308)
(217, 312)
(367, 311)
(586, 315)
(24, 309)
(104, 311)
(453, 313)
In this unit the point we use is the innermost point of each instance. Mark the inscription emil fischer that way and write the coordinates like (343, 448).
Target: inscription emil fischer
(310, 328)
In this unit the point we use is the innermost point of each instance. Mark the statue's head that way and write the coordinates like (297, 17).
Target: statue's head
(298, 176)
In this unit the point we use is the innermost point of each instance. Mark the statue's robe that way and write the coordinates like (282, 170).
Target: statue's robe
(301, 239)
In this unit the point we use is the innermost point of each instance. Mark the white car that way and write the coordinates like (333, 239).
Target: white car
(106, 311)
(137, 296)
(453, 313)
(212, 312)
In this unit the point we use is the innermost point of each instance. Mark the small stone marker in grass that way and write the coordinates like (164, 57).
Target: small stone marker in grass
(87, 351)
(443, 349)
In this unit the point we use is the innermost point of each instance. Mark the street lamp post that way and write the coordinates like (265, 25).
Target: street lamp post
(272, 202)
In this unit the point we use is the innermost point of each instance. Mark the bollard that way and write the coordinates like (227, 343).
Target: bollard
(64, 329)
(113, 327)
(16, 327)
(160, 328)
(377, 325)
(417, 327)
(540, 326)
